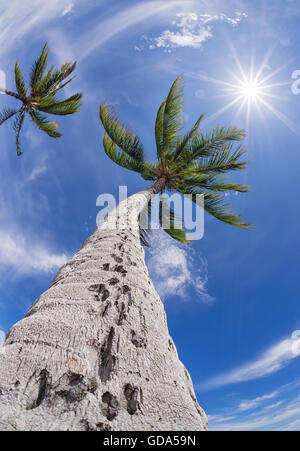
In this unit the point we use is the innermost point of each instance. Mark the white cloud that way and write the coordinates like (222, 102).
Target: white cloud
(25, 17)
(120, 22)
(67, 9)
(272, 360)
(25, 257)
(253, 403)
(281, 415)
(191, 29)
(174, 269)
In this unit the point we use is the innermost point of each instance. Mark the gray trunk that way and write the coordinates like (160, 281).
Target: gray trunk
(94, 351)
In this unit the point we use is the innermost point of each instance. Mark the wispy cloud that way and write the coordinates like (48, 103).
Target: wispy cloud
(67, 9)
(26, 256)
(191, 30)
(120, 22)
(261, 414)
(25, 17)
(253, 403)
(174, 269)
(272, 360)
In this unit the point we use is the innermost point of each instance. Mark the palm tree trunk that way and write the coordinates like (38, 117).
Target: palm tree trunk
(94, 351)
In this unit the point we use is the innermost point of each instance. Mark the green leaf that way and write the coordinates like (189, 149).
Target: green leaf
(17, 128)
(48, 127)
(149, 171)
(38, 69)
(184, 140)
(176, 229)
(6, 114)
(20, 85)
(68, 106)
(172, 119)
(227, 159)
(217, 206)
(123, 137)
(118, 156)
(159, 128)
(214, 141)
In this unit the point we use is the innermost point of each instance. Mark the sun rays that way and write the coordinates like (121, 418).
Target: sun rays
(252, 91)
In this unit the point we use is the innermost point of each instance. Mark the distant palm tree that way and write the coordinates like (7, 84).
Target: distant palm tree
(42, 96)
(192, 163)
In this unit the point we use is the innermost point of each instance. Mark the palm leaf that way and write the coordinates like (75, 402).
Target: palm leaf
(118, 156)
(67, 106)
(215, 183)
(172, 118)
(159, 128)
(182, 141)
(216, 205)
(149, 171)
(38, 69)
(19, 80)
(123, 137)
(203, 145)
(227, 159)
(175, 229)
(17, 128)
(48, 127)
(6, 114)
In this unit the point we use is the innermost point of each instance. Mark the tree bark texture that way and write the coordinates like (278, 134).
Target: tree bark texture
(94, 351)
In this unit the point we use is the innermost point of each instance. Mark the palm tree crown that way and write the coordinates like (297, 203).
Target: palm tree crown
(191, 163)
(41, 97)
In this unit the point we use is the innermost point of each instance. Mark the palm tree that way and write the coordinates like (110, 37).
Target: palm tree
(94, 351)
(42, 97)
(193, 163)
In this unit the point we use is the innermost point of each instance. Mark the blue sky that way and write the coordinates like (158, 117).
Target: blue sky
(232, 299)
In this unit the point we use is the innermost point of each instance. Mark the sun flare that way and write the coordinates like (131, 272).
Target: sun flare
(252, 90)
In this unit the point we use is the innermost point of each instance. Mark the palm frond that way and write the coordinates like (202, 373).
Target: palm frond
(149, 171)
(214, 183)
(183, 141)
(172, 120)
(48, 127)
(168, 216)
(19, 80)
(227, 159)
(159, 128)
(67, 106)
(203, 145)
(17, 128)
(38, 69)
(118, 156)
(6, 114)
(122, 136)
(53, 81)
(217, 206)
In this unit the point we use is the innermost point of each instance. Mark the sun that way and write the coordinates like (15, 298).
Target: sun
(252, 90)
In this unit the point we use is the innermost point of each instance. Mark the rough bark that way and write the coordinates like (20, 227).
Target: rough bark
(94, 351)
